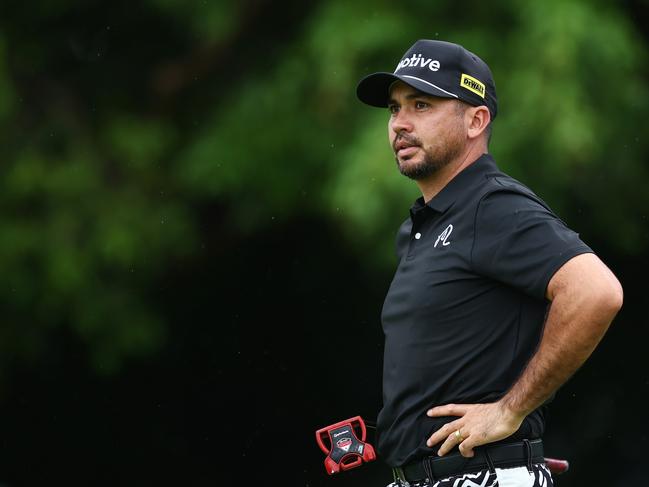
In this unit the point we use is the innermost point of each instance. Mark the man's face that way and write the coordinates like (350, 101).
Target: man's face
(426, 132)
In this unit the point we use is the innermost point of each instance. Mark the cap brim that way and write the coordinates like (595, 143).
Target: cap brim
(374, 89)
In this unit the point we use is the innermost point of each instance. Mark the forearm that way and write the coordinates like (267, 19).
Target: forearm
(576, 322)
(585, 298)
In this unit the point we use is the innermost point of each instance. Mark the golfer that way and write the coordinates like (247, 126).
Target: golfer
(494, 303)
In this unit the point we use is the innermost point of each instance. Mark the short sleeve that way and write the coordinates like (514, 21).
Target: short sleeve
(519, 241)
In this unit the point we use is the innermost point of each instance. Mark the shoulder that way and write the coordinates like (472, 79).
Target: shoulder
(502, 186)
(518, 240)
(504, 195)
(507, 206)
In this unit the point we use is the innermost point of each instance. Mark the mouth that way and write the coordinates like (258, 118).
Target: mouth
(407, 151)
(405, 148)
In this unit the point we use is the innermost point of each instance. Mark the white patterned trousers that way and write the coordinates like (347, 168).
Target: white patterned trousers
(502, 477)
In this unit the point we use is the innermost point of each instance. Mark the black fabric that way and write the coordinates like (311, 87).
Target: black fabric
(465, 309)
(502, 456)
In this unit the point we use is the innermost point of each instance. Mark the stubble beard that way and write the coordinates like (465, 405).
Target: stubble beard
(435, 158)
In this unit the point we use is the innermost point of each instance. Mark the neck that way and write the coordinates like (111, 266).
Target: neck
(435, 183)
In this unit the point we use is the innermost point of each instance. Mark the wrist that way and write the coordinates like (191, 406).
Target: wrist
(513, 414)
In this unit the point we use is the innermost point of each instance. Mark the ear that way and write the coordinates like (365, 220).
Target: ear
(479, 118)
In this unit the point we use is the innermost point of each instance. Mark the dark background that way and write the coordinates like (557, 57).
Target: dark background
(197, 219)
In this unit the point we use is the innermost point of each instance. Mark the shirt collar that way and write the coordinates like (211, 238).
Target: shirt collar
(466, 178)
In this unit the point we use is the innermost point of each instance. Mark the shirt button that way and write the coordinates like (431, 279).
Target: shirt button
(417, 235)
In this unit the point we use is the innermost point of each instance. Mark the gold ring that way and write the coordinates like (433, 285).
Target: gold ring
(458, 435)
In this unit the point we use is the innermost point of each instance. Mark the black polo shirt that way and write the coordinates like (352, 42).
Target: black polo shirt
(466, 306)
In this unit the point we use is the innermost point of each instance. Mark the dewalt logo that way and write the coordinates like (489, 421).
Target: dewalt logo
(472, 84)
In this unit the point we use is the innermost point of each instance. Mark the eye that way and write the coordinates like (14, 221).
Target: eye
(393, 109)
(421, 105)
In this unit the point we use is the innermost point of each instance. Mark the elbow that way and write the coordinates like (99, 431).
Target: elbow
(619, 296)
(610, 298)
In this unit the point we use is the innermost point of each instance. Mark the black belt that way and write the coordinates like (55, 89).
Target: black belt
(506, 455)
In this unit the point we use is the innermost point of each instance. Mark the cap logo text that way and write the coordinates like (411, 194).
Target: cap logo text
(418, 60)
(472, 84)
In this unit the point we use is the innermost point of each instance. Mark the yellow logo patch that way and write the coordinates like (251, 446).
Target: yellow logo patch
(472, 84)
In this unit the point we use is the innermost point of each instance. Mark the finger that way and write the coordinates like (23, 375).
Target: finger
(477, 439)
(454, 439)
(466, 448)
(448, 410)
(442, 433)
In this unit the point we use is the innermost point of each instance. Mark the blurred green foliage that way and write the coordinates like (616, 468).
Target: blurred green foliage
(120, 126)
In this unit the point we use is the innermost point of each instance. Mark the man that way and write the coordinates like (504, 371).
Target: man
(495, 302)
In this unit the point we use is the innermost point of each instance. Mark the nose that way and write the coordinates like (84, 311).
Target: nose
(400, 122)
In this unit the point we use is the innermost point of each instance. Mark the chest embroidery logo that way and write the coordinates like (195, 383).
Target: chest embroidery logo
(444, 236)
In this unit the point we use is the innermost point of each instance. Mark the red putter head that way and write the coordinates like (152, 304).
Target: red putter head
(344, 444)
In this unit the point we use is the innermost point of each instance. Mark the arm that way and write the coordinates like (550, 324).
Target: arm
(585, 298)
